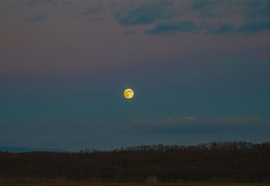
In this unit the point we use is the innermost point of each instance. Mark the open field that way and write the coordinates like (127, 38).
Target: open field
(134, 184)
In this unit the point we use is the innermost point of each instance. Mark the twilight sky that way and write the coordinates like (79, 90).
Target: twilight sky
(200, 70)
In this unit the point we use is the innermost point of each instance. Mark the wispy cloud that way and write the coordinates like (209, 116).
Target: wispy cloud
(173, 27)
(224, 17)
(145, 13)
(205, 8)
(35, 19)
(192, 125)
(255, 16)
(194, 121)
(254, 27)
(223, 29)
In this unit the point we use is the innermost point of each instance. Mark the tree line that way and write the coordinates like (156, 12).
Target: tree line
(212, 162)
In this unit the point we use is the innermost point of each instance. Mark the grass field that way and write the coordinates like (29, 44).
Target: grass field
(133, 184)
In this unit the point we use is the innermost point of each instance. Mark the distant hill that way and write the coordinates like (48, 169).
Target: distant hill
(26, 149)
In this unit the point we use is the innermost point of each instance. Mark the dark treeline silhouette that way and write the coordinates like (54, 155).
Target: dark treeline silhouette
(213, 162)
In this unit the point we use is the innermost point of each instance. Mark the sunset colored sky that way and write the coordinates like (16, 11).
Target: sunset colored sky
(200, 70)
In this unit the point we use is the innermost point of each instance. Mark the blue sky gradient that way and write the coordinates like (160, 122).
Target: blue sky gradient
(200, 71)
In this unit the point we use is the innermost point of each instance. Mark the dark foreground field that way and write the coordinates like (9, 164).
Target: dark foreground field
(134, 184)
(217, 162)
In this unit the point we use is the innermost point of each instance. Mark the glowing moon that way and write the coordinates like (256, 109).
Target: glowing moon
(128, 93)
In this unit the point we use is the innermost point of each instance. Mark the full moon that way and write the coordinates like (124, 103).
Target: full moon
(128, 93)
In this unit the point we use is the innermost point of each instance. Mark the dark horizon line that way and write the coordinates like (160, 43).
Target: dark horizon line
(17, 149)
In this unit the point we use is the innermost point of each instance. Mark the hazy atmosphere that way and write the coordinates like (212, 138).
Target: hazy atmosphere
(200, 71)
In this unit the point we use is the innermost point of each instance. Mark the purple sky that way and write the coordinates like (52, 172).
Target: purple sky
(200, 70)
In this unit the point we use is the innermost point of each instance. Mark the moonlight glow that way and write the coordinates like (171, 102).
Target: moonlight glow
(128, 93)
